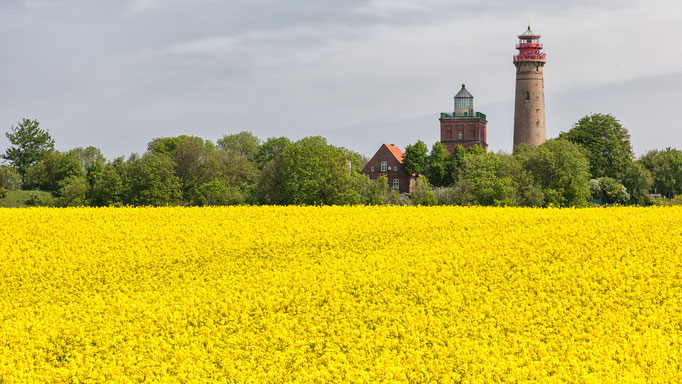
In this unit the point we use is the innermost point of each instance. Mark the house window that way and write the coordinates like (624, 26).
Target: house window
(395, 168)
(372, 169)
(383, 166)
(396, 183)
(460, 135)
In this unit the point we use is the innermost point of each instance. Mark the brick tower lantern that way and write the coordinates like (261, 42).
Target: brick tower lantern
(463, 126)
(529, 109)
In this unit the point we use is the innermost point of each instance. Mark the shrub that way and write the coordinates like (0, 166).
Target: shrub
(609, 191)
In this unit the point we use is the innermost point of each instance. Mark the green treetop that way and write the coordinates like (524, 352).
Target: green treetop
(607, 143)
(29, 144)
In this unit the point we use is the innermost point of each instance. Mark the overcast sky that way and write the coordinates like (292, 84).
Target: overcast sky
(115, 74)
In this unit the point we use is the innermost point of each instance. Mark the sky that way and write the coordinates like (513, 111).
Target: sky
(116, 74)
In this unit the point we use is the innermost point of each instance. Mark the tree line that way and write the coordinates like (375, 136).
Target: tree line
(593, 162)
(185, 170)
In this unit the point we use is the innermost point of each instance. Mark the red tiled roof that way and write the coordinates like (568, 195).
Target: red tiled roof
(395, 151)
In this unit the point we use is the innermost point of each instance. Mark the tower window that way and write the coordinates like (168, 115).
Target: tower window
(527, 96)
(383, 166)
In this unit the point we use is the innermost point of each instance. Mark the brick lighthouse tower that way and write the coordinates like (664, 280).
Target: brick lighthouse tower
(529, 109)
(463, 126)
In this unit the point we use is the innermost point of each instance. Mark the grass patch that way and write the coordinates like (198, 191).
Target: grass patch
(18, 199)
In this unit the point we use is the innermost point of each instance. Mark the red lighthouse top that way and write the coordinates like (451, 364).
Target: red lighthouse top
(529, 47)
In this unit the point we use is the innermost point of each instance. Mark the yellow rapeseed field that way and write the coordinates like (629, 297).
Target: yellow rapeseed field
(341, 294)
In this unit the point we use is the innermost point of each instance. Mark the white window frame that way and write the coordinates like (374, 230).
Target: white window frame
(372, 169)
(460, 135)
(396, 183)
(384, 166)
(395, 168)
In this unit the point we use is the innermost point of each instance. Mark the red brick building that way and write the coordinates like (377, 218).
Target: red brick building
(388, 161)
(463, 126)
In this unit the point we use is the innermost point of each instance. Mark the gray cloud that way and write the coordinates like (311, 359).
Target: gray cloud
(116, 74)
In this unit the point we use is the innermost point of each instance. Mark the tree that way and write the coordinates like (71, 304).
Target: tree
(479, 182)
(314, 172)
(270, 149)
(456, 161)
(244, 143)
(475, 150)
(108, 185)
(92, 161)
(54, 167)
(354, 160)
(73, 191)
(439, 166)
(151, 180)
(29, 144)
(377, 191)
(269, 186)
(213, 193)
(422, 193)
(638, 181)
(608, 190)
(607, 143)
(230, 167)
(528, 192)
(90, 158)
(217, 192)
(189, 154)
(560, 169)
(9, 178)
(414, 159)
(666, 170)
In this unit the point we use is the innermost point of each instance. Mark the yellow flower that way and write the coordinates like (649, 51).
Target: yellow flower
(340, 294)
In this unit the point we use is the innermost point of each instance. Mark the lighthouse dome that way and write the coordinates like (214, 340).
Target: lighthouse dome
(528, 33)
(464, 100)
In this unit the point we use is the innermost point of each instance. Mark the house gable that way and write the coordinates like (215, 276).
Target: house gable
(388, 161)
